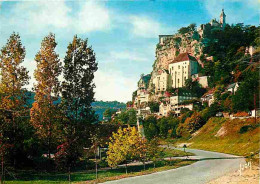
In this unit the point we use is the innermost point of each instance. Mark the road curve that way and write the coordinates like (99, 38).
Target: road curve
(211, 166)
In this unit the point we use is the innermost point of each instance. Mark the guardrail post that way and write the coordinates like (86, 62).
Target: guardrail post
(240, 170)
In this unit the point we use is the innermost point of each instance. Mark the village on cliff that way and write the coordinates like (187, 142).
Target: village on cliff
(177, 65)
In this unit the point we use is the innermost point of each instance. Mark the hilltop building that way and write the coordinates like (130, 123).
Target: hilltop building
(214, 24)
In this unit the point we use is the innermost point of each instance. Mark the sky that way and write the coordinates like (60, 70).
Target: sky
(122, 33)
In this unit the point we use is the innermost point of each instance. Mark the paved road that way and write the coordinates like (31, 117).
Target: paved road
(211, 165)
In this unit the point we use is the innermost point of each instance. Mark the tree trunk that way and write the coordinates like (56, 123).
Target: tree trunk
(2, 174)
(69, 175)
(126, 166)
(96, 163)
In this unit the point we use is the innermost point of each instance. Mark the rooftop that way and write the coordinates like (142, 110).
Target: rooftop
(184, 57)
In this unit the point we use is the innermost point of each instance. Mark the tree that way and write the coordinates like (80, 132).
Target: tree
(151, 129)
(154, 106)
(153, 150)
(13, 78)
(108, 113)
(44, 113)
(77, 96)
(127, 117)
(247, 95)
(123, 146)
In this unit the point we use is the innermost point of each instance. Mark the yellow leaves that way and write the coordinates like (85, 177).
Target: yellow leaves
(125, 144)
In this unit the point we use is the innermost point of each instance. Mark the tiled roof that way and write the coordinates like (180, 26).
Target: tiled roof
(210, 92)
(231, 86)
(184, 57)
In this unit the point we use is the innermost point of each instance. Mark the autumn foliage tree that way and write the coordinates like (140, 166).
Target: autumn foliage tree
(124, 145)
(13, 78)
(77, 96)
(44, 113)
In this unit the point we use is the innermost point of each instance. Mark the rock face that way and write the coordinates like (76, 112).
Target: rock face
(169, 48)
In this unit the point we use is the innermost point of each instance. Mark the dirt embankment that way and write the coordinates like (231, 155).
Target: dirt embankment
(248, 176)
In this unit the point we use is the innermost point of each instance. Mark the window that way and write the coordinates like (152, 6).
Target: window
(178, 80)
(178, 66)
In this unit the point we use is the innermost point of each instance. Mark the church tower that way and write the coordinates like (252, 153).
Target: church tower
(222, 20)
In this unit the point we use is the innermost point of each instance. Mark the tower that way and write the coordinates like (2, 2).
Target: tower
(222, 20)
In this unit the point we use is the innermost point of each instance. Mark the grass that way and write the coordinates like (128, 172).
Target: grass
(175, 153)
(238, 137)
(29, 177)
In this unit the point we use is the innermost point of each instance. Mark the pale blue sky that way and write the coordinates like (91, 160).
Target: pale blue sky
(122, 33)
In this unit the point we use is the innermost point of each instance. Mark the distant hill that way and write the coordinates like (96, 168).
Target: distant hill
(100, 106)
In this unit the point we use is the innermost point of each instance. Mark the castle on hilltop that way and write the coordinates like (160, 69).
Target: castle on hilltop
(214, 23)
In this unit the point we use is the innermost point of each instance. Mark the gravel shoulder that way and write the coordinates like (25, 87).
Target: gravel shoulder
(248, 176)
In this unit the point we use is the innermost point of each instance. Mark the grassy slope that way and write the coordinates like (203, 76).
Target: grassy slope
(229, 139)
(175, 153)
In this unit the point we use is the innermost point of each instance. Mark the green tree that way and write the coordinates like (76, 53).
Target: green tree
(108, 113)
(77, 96)
(150, 127)
(247, 95)
(154, 106)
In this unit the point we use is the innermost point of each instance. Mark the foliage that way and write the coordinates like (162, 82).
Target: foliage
(188, 29)
(150, 127)
(44, 114)
(163, 127)
(108, 113)
(154, 106)
(123, 146)
(194, 87)
(78, 94)
(247, 95)
(100, 106)
(126, 117)
(13, 78)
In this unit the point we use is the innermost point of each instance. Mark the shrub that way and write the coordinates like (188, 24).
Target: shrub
(245, 129)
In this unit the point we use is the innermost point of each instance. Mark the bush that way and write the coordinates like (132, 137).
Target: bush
(103, 163)
(245, 129)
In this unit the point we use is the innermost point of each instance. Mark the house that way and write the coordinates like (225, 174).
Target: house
(178, 99)
(142, 94)
(161, 80)
(203, 81)
(233, 87)
(166, 109)
(183, 67)
(208, 97)
(143, 112)
(178, 107)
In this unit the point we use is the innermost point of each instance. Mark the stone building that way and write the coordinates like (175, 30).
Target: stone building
(181, 68)
(161, 80)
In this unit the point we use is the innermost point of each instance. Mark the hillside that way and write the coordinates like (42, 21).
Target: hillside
(238, 136)
(100, 106)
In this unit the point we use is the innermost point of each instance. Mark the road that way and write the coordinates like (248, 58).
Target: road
(211, 166)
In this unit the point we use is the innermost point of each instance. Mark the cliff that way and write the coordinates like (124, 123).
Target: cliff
(170, 46)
